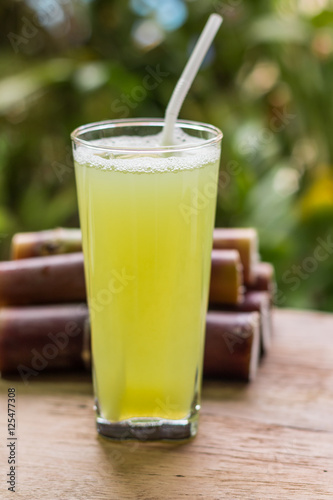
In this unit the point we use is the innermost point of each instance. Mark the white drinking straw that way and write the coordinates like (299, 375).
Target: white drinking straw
(189, 73)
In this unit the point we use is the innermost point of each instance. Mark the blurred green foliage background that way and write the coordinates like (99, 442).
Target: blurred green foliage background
(267, 83)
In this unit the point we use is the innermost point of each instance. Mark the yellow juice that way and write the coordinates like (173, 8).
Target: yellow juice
(147, 227)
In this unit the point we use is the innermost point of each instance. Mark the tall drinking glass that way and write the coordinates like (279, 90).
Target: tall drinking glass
(147, 217)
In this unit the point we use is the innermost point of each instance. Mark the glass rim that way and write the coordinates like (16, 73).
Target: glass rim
(146, 122)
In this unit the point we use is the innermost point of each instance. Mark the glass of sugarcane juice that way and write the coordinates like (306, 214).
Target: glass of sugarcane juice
(147, 215)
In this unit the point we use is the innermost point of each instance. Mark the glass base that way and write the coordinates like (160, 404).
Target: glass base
(149, 429)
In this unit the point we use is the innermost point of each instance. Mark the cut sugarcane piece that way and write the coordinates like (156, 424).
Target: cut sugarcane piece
(226, 282)
(41, 243)
(53, 279)
(245, 240)
(38, 338)
(232, 345)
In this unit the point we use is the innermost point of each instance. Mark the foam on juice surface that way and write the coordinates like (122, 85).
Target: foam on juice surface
(149, 161)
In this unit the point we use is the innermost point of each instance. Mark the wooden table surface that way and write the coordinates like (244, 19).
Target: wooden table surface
(271, 439)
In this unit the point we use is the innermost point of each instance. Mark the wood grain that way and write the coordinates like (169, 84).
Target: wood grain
(272, 439)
